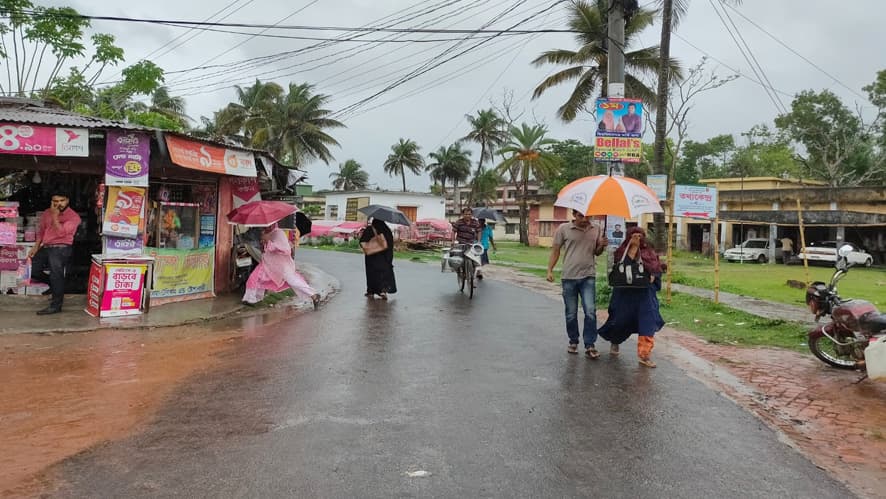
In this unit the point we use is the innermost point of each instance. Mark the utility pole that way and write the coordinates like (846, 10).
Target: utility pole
(615, 80)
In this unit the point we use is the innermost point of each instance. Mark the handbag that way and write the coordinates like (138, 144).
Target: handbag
(628, 275)
(376, 244)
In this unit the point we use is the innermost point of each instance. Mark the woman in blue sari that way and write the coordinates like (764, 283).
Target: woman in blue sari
(635, 309)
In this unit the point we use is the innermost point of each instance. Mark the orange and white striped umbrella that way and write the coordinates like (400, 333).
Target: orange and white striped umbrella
(608, 195)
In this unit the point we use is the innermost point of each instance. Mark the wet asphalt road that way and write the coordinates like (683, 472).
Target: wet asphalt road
(481, 395)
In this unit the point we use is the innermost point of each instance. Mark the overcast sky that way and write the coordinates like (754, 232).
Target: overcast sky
(846, 41)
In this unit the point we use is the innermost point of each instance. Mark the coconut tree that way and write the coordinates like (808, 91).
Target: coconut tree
(349, 177)
(252, 102)
(588, 63)
(450, 163)
(294, 127)
(526, 157)
(404, 156)
(488, 130)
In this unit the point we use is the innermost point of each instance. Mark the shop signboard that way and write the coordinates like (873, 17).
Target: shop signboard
(695, 201)
(124, 212)
(201, 156)
(180, 273)
(36, 140)
(117, 247)
(659, 185)
(127, 157)
(124, 284)
(615, 149)
(245, 190)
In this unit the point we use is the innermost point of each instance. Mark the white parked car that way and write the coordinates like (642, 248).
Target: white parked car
(826, 251)
(752, 250)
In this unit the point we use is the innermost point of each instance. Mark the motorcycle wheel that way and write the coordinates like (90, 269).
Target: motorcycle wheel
(826, 350)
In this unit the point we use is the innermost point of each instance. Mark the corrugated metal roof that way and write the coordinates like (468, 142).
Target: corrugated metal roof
(38, 115)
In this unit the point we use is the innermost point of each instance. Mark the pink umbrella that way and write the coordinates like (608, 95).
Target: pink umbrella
(261, 213)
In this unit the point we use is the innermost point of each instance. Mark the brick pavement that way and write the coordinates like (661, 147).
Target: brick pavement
(825, 413)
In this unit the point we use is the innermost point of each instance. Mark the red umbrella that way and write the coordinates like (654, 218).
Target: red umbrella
(261, 213)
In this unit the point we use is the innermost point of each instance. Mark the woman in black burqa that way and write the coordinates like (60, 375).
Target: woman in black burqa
(380, 266)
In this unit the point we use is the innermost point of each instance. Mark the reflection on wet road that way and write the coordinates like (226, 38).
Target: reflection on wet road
(432, 394)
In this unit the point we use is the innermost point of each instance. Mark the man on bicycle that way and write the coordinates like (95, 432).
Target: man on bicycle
(466, 230)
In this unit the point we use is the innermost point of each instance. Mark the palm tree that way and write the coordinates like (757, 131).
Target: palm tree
(450, 163)
(349, 177)
(527, 158)
(588, 64)
(294, 126)
(404, 156)
(167, 105)
(252, 101)
(484, 185)
(490, 131)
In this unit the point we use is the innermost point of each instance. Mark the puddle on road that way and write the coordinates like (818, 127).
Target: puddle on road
(63, 394)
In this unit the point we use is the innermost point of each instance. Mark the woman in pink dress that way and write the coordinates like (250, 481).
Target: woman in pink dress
(276, 271)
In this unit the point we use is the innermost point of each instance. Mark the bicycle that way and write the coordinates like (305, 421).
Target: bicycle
(463, 259)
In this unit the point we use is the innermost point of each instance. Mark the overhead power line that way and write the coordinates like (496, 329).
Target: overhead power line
(186, 23)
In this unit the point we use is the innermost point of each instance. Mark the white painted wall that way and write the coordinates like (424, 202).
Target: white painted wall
(428, 205)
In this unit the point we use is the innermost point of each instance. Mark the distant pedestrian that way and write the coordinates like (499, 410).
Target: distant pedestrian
(787, 249)
(635, 309)
(277, 270)
(580, 242)
(380, 279)
(486, 240)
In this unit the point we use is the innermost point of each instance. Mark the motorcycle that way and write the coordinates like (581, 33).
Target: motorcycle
(853, 326)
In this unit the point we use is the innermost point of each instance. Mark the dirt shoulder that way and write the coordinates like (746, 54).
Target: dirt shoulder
(826, 414)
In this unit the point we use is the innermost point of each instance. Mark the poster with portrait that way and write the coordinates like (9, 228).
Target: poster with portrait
(620, 118)
(124, 211)
(615, 230)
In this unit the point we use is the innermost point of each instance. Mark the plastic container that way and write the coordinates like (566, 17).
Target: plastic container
(875, 359)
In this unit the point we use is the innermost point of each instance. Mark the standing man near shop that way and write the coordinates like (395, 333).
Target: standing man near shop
(52, 251)
(581, 242)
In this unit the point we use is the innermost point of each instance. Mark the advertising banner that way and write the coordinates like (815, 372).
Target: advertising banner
(200, 156)
(618, 149)
(619, 118)
(43, 140)
(8, 233)
(127, 157)
(694, 201)
(94, 289)
(117, 247)
(123, 289)
(182, 272)
(245, 190)
(615, 230)
(124, 212)
(8, 258)
(8, 209)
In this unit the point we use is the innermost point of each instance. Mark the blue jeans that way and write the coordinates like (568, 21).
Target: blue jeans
(587, 289)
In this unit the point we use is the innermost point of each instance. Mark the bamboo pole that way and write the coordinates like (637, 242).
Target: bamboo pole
(803, 240)
(670, 257)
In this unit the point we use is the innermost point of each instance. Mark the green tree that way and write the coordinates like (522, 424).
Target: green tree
(589, 63)
(839, 145)
(450, 163)
(709, 159)
(349, 177)
(488, 130)
(404, 156)
(484, 187)
(294, 128)
(765, 155)
(253, 102)
(527, 157)
(576, 160)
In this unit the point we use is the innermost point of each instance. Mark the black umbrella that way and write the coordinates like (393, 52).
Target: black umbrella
(385, 214)
(489, 214)
(302, 223)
